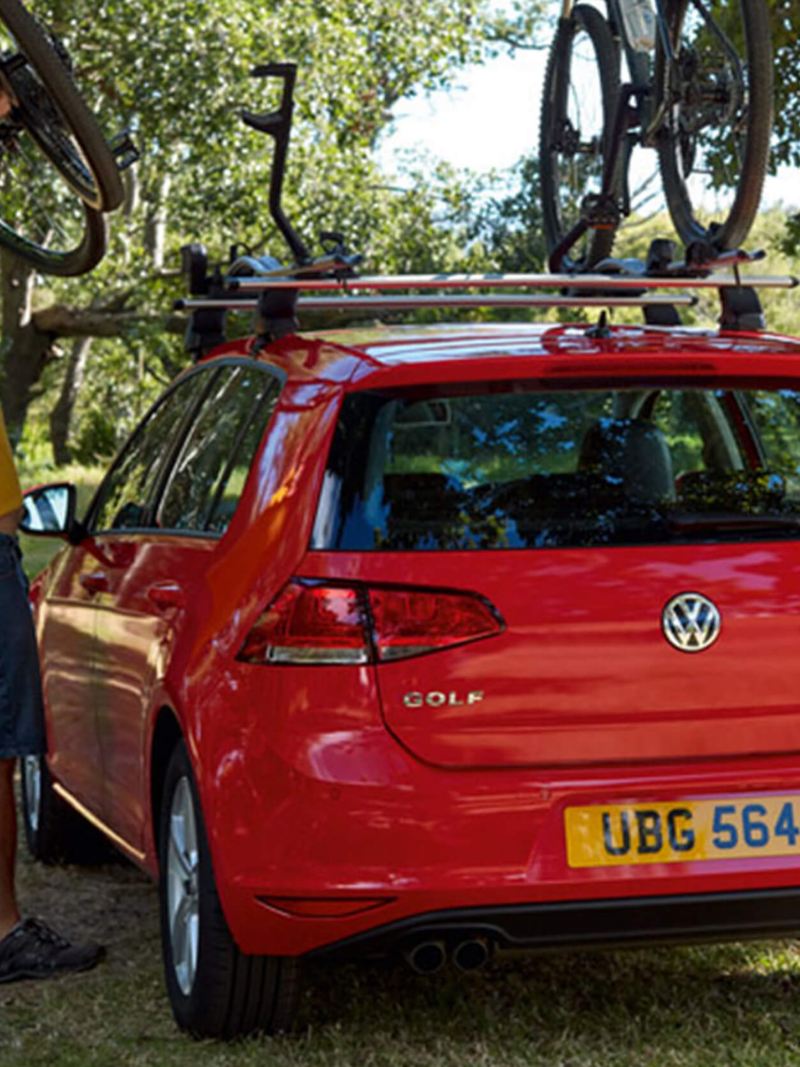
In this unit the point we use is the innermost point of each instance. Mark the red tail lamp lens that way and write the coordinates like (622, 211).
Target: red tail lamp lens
(317, 624)
(310, 624)
(411, 622)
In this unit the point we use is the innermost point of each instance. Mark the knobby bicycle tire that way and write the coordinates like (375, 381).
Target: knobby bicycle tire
(98, 182)
(554, 118)
(733, 230)
(85, 254)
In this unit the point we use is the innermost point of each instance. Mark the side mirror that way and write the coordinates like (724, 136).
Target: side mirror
(49, 510)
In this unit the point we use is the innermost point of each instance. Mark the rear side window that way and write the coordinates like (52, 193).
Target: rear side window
(209, 472)
(521, 468)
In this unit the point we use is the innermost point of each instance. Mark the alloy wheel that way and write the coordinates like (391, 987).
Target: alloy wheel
(183, 909)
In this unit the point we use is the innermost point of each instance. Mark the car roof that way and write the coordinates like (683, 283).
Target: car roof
(386, 356)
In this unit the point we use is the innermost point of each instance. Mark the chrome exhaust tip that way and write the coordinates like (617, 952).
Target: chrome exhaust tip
(427, 957)
(472, 954)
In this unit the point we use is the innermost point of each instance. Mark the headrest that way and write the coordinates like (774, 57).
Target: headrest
(632, 453)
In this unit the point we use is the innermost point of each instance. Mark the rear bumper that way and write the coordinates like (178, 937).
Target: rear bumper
(589, 924)
(348, 869)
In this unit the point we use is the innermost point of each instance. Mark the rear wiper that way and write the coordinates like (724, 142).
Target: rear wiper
(690, 522)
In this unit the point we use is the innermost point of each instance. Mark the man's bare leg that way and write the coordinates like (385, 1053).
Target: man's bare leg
(9, 914)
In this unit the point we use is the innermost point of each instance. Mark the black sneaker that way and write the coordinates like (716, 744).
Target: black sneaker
(32, 950)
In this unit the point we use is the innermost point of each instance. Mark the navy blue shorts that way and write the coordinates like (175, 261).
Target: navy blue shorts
(21, 712)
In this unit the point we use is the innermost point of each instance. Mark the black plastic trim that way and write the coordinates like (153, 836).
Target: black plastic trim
(616, 923)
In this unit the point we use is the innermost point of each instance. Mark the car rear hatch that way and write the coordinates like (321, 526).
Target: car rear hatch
(589, 576)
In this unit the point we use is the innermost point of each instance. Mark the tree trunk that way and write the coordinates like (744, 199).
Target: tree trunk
(156, 225)
(25, 349)
(61, 415)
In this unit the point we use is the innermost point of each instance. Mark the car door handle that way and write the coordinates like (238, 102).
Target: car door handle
(166, 595)
(94, 582)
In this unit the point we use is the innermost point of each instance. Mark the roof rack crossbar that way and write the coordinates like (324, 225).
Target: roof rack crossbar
(471, 300)
(601, 282)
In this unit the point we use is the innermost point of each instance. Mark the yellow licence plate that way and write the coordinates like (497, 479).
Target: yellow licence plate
(615, 835)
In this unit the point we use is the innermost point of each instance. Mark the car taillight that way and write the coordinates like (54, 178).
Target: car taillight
(411, 622)
(310, 624)
(314, 623)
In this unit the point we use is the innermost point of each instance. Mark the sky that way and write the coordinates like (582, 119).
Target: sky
(491, 118)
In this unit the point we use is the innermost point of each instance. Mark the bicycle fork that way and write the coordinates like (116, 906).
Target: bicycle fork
(606, 209)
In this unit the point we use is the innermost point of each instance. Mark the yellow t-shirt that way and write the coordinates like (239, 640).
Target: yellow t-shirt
(10, 492)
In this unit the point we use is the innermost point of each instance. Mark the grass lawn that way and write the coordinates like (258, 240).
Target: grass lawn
(690, 1007)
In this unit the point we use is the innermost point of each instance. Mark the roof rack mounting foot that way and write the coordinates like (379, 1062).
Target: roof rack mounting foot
(206, 326)
(660, 258)
(277, 315)
(662, 315)
(741, 309)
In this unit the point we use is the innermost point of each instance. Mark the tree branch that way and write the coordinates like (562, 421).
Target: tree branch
(59, 320)
(517, 41)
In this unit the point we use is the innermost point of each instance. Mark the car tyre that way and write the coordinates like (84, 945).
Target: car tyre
(54, 831)
(215, 989)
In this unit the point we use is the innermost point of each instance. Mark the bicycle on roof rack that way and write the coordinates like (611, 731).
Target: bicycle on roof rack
(699, 92)
(58, 173)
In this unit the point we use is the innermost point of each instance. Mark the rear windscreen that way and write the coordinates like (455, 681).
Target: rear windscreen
(518, 468)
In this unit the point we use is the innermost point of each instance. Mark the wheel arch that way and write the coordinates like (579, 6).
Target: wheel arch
(167, 732)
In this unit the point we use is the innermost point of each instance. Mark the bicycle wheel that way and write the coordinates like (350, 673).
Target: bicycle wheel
(41, 219)
(714, 146)
(578, 104)
(52, 111)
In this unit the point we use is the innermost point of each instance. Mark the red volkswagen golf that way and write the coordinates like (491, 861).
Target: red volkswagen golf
(434, 642)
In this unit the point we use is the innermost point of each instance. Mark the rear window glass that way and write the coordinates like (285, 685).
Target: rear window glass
(519, 468)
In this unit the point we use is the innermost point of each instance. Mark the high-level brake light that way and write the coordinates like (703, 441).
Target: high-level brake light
(317, 623)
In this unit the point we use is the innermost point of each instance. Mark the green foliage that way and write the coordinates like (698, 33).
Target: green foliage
(511, 225)
(97, 439)
(182, 83)
(787, 81)
(177, 72)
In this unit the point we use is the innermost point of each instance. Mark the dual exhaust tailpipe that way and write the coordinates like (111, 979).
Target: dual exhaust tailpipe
(428, 957)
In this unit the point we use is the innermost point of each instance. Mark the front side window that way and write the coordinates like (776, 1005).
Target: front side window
(525, 468)
(125, 496)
